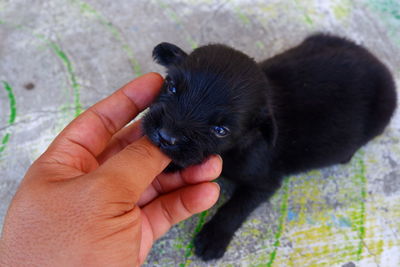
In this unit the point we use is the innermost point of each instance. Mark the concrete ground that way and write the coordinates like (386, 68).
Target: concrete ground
(57, 57)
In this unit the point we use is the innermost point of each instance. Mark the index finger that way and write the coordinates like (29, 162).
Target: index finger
(94, 128)
(127, 174)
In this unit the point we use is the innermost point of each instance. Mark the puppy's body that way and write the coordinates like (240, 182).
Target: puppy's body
(309, 107)
(330, 97)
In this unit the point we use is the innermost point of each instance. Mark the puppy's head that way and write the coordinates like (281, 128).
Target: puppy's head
(211, 99)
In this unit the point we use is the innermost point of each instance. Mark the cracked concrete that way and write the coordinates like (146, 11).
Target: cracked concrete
(61, 56)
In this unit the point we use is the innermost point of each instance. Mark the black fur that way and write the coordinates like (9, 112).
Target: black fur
(309, 107)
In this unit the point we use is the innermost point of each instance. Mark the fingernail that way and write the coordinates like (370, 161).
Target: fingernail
(216, 165)
(219, 188)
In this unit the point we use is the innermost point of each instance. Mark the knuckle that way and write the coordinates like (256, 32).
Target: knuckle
(167, 213)
(108, 124)
(185, 207)
(158, 186)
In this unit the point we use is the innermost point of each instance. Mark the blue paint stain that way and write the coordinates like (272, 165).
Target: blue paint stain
(292, 216)
(310, 221)
(340, 222)
(344, 222)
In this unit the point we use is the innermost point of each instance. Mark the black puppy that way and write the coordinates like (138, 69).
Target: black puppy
(309, 107)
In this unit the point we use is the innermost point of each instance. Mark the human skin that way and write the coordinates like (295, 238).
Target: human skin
(97, 196)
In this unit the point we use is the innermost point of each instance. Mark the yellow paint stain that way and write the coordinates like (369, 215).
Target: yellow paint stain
(372, 161)
(263, 12)
(310, 242)
(323, 235)
(308, 9)
(313, 234)
(342, 9)
(306, 195)
(262, 258)
(376, 247)
(270, 9)
(252, 232)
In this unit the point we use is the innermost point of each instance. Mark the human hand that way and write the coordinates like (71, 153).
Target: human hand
(96, 195)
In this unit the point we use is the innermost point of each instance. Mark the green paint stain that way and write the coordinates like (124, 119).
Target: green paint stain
(85, 7)
(281, 222)
(76, 87)
(341, 10)
(13, 113)
(11, 98)
(175, 18)
(4, 142)
(260, 45)
(391, 7)
(306, 17)
(360, 218)
(189, 247)
(242, 16)
(389, 14)
(246, 21)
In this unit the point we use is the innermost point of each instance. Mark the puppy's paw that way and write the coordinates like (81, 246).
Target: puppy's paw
(211, 243)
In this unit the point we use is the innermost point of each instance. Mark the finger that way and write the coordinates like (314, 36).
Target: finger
(120, 140)
(209, 170)
(127, 174)
(87, 135)
(163, 212)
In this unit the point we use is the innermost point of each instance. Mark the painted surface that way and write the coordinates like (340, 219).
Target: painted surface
(58, 57)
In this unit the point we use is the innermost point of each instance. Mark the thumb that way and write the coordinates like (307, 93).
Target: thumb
(132, 170)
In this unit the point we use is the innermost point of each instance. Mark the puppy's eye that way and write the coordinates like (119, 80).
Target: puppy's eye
(220, 131)
(171, 88)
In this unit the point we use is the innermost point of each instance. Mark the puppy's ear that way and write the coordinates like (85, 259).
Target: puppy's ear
(266, 123)
(167, 54)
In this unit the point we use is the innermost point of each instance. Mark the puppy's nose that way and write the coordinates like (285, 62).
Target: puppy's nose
(166, 138)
